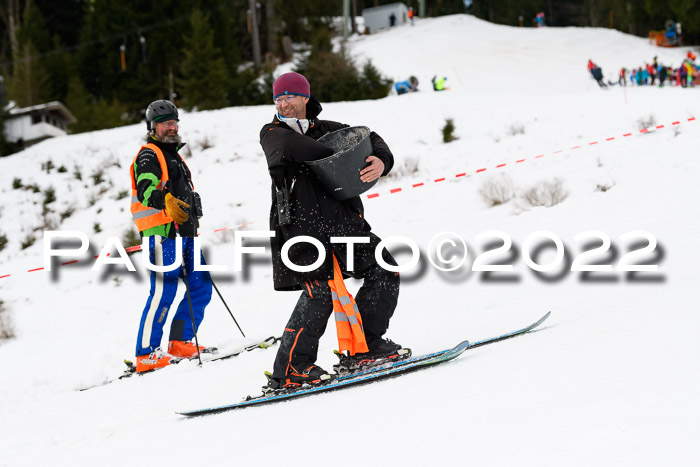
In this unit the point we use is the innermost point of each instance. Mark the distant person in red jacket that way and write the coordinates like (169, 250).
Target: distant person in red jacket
(597, 73)
(652, 73)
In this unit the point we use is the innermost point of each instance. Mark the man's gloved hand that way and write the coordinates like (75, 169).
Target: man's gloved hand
(172, 207)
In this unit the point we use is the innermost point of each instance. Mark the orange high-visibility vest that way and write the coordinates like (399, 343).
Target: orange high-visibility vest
(144, 217)
(348, 322)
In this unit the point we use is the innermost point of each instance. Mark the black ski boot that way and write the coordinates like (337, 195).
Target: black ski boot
(312, 376)
(386, 352)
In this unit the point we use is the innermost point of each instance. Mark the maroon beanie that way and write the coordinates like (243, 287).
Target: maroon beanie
(291, 83)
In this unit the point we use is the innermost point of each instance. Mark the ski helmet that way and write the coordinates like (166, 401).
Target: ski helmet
(160, 111)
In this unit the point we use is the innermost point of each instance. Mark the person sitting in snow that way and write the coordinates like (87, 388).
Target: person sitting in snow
(439, 84)
(410, 85)
(164, 205)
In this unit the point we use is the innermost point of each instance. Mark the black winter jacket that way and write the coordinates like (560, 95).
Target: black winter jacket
(313, 211)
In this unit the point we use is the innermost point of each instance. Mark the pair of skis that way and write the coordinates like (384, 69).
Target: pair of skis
(206, 357)
(369, 375)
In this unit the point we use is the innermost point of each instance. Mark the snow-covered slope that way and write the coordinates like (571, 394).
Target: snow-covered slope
(611, 380)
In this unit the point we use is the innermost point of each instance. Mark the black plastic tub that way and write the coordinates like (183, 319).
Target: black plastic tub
(340, 173)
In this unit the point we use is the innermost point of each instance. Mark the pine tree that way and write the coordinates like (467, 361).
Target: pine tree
(373, 85)
(333, 76)
(59, 69)
(93, 114)
(28, 80)
(29, 83)
(204, 77)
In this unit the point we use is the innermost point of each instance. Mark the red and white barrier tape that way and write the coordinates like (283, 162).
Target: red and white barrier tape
(464, 174)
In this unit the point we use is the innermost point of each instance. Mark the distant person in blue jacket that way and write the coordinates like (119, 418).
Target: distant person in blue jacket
(410, 85)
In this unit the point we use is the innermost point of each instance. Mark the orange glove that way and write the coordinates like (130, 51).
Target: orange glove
(172, 207)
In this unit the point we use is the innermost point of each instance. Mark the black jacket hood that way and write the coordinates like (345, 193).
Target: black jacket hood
(313, 108)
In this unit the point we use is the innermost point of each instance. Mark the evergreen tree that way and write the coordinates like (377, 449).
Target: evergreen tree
(28, 81)
(33, 28)
(688, 13)
(59, 69)
(372, 84)
(204, 78)
(93, 114)
(334, 77)
(29, 84)
(65, 18)
(245, 89)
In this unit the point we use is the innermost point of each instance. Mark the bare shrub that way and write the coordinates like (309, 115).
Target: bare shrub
(28, 241)
(497, 190)
(603, 187)
(186, 152)
(121, 195)
(205, 143)
(644, 123)
(49, 220)
(409, 168)
(48, 165)
(546, 194)
(69, 211)
(98, 176)
(131, 237)
(6, 327)
(223, 236)
(516, 129)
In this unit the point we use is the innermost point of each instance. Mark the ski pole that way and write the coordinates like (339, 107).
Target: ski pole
(189, 299)
(194, 208)
(224, 302)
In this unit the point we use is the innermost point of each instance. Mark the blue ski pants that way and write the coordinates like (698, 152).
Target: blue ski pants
(163, 290)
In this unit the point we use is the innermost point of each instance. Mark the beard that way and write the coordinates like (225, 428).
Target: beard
(171, 137)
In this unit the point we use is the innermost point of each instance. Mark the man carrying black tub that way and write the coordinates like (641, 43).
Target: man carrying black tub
(302, 206)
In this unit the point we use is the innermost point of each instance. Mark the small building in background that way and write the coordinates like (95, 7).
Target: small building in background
(385, 16)
(29, 125)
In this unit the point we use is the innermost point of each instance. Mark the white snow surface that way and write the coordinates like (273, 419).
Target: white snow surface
(612, 378)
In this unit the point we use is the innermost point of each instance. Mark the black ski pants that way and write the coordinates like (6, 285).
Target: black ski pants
(376, 301)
